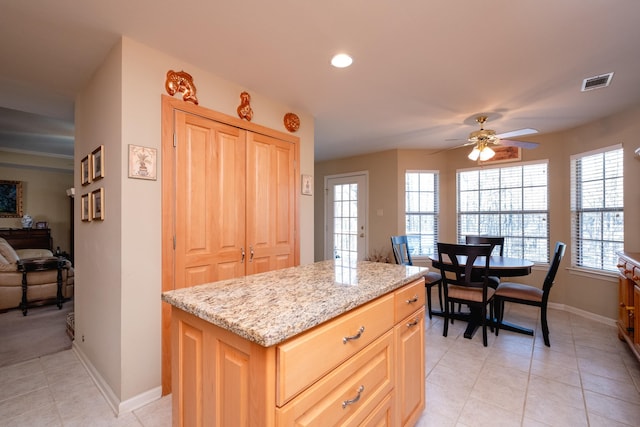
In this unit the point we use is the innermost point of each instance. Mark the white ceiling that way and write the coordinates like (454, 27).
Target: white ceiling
(422, 69)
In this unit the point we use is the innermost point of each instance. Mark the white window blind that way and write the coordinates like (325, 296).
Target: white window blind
(597, 208)
(421, 212)
(507, 201)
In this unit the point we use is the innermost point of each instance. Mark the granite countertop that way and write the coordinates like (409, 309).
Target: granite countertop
(268, 308)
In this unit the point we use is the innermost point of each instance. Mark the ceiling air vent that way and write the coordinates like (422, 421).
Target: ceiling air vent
(597, 82)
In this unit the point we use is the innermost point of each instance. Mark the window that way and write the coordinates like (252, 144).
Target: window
(509, 202)
(597, 214)
(421, 212)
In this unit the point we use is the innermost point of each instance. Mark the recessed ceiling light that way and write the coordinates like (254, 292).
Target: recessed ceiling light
(341, 60)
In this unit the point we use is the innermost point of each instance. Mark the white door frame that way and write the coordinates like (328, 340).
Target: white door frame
(362, 179)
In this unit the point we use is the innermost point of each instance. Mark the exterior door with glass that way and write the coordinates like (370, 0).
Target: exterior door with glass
(346, 214)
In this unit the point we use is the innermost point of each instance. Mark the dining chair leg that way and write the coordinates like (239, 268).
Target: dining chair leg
(445, 330)
(545, 326)
(484, 325)
(429, 302)
(499, 309)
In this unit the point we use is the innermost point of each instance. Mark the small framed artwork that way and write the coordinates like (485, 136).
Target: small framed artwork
(97, 204)
(505, 153)
(85, 170)
(97, 167)
(41, 224)
(85, 207)
(307, 185)
(142, 162)
(10, 199)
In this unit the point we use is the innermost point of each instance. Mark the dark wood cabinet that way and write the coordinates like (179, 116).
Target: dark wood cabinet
(27, 238)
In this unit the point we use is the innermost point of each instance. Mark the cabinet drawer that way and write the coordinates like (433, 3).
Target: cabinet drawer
(409, 299)
(366, 380)
(304, 359)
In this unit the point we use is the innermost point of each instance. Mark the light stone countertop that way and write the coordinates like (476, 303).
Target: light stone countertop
(269, 308)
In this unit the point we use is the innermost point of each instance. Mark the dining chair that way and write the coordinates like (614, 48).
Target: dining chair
(402, 255)
(494, 241)
(460, 286)
(530, 295)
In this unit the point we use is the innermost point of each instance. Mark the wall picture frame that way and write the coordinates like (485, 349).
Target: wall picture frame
(97, 165)
(504, 154)
(307, 185)
(142, 162)
(85, 207)
(85, 170)
(97, 204)
(11, 199)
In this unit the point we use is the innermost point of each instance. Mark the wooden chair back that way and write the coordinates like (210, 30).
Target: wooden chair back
(489, 240)
(400, 245)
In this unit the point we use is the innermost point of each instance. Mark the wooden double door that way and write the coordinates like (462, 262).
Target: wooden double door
(229, 202)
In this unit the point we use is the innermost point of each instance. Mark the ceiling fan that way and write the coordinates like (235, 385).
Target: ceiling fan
(484, 138)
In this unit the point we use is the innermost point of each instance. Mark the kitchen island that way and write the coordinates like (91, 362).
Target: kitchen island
(321, 344)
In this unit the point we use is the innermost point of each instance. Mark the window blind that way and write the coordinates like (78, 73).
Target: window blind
(421, 212)
(597, 208)
(509, 201)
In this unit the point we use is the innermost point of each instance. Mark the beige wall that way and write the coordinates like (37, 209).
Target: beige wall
(577, 290)
(118, 274)
(45, 180)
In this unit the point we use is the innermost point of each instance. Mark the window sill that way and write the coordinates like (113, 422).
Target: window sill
(593, 274)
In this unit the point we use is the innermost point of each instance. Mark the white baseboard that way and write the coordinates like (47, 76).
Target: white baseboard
(583, 313)
(117, 406)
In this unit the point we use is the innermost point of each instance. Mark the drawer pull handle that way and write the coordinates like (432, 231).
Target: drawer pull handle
(412, 324)
(355, 399)
(412, 300)
(353, 337)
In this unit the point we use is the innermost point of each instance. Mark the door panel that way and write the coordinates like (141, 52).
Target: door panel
(209, 200)
(270, 203)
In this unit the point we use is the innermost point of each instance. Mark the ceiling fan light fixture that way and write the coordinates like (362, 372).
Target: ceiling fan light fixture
(486, 154)
(474, 154)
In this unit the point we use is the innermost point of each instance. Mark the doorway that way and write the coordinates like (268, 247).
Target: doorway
(346, 216)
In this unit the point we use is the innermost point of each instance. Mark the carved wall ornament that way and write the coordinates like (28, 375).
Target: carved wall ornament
(180, 81)
(244, 109)
(291, 122)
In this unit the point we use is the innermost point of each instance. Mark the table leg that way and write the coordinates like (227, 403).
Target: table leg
(59, 282)
(23, 303)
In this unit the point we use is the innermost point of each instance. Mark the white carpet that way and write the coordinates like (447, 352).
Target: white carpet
(42, 331)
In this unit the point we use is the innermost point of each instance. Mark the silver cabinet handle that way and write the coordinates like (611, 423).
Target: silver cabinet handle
(414, 323)
(251, 252)
(412, 300)
(353, 337)
(242, 259)
(355, 399)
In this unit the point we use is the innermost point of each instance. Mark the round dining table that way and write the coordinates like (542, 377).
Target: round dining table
(500, 266)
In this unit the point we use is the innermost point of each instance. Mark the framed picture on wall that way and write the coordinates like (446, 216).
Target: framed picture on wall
(97, 167)
(142, 162)
(85, 170)
(85, 207)
(97, 204)
(10, 199)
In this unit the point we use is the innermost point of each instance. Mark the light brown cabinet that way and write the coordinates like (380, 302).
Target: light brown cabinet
(365, 367)
(629, 300)
(235, 201)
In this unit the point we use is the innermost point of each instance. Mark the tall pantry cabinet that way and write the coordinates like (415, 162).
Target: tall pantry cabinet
(230, 197)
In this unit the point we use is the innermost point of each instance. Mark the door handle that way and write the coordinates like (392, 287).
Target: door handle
(242, 259)
(250, 253)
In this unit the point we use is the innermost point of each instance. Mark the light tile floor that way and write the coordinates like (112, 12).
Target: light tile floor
(587, 378)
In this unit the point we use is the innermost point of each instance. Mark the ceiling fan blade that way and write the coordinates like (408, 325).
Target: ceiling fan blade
(521, 144)
(518, 132)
